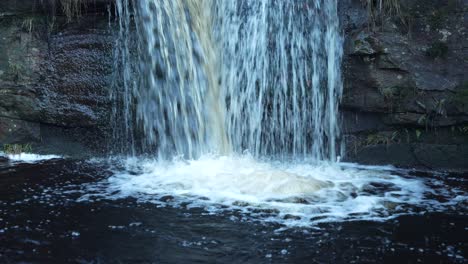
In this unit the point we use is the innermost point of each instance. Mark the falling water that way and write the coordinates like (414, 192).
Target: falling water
(202, 76)
(281, 73)
(169, 87)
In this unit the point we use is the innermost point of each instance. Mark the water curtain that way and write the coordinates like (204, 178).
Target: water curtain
(203, 76)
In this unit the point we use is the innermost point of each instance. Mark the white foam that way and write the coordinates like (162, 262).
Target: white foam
(300, 193)
(28, 157)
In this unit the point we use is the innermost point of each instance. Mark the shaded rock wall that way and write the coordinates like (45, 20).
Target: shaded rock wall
(55, 74)
(406, 84)
(405, 96)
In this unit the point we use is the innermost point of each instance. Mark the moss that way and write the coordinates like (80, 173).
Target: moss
(383, 138)
(381, 9)
(28, 24)
(15, 149)
(437, 49)
(15, 70)
(376, 139)
(418, 134)
(463, 129)
(402, 136)
(71, 8)
(461, 96)
(390, 93)
(396, 94)
(435, 21)
(441, 15)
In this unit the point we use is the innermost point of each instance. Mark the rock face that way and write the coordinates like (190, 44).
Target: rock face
(54, 75)
(406, 83)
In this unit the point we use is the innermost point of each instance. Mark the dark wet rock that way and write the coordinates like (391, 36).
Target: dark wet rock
(300, 200)
(340, 197)
(291, 217)
(167, 198)
(54, 75)
(396, 154)
(14, 131)
(442, 156)
(407, 78)
(22, 7)
(378, 188)
(240, 204)
(403, 76)
(318, 218)
(266, 211)
(429, 156)
(348, 186)
(364, 44)
(355, 122)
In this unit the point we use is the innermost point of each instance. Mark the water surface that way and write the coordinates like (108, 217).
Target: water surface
(49, 215)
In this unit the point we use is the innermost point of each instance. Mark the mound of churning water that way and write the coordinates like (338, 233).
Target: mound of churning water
(294, 194)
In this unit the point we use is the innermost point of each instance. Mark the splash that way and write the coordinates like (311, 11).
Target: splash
(28, 157)
(293, 194)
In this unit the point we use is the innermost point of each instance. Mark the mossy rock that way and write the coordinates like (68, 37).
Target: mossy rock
(441, 15)
(437, 49)
(15, 149)
(460, 97)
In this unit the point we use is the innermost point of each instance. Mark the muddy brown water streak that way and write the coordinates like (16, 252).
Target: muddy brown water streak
(224, 77)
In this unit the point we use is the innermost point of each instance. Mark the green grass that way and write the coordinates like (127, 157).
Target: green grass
(461, 95)
(380, 9)
(441, 15)
(382, 138)
(15, 149)
(437, 49)
(71, 8)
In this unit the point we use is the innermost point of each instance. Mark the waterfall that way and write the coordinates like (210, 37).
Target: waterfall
(236, 104)
(281, 72)
(202, 76)
(169, 85)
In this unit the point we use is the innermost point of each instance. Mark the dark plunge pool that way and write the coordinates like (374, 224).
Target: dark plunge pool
(43, 220)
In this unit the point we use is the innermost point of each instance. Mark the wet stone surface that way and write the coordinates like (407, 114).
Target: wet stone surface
(41, 221)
